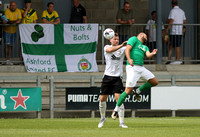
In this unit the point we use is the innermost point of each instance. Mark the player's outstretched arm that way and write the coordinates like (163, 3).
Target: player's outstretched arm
(114, 48)
(151, 54)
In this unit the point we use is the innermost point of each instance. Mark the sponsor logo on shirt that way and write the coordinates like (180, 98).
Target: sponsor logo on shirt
(113, 57)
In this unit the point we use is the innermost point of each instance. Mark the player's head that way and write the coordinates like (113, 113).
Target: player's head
(50, 7)
(153, 15)
(115, 40)
(142, 37)
(126, 7)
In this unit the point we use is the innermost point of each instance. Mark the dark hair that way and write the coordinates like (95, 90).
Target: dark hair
(174, 2)
(49, 3)
(126, 3)
(116, 35)
(153, 12)
(27, 1)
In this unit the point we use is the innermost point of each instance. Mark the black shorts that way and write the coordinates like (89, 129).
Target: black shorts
(176, 40)
(111, 85)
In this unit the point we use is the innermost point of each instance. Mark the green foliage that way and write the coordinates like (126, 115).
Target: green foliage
(87, 127)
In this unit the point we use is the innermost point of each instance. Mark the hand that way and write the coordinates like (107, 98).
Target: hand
(4, 21)
(129, 21)
(184, 30)
(130, 61)
(154, 51)
(124, 43)
(133, 21)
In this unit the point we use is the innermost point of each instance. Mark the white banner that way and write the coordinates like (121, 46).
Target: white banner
(59, 48)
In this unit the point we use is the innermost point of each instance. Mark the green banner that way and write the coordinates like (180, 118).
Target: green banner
(20, 99)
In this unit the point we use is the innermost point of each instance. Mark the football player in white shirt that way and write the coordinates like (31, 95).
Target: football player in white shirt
(112, 79)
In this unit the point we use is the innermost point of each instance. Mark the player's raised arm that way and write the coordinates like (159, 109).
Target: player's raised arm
(151, 54)
(114, 48)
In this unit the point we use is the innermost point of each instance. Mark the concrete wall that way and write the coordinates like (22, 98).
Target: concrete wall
(105, 11)
(38, 6)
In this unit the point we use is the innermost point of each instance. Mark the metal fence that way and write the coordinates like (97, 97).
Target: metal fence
(189, 43)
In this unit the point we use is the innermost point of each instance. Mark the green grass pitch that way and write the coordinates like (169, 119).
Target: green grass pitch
(87, 127)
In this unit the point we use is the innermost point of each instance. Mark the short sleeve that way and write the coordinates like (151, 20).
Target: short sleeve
(84, 12)
(107, 46)
(43, 15)
(35, 16)
(171, 15)
(147, 27)
(20, 14)
(56, 14)
(7, 14)
(147, 48)
(22, 11)
(132, 41)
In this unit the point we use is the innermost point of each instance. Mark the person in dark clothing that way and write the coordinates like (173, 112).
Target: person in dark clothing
(78, 13)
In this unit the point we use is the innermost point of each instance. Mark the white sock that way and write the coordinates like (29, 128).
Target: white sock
(121, 114)
(116, 108)
(138, 91)
(102, 109)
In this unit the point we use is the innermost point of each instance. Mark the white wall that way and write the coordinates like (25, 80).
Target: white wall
(175, 98)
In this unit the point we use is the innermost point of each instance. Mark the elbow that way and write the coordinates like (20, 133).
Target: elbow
(108, 50)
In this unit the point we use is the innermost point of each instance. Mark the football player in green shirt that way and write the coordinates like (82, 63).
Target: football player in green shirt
(135, 52)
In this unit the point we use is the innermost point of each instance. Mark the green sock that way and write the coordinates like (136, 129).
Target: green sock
(121, 99)
(145, 86)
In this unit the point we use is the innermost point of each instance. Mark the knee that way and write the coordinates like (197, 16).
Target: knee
(128, 90)
(103, 98)
(121, 107)
(155, 83)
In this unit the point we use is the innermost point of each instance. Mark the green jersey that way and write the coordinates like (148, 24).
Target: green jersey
(138, 51)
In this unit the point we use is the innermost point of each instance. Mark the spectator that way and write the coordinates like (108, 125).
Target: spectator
(2, 19)
(50, 16)
(78, 13)
(176, 16)
(151, 31)
(124, 17)
(28, 15)
(13, 15)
